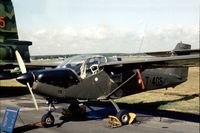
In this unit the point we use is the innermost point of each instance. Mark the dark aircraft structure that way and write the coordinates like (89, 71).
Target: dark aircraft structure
(9, 41)
(96, 77)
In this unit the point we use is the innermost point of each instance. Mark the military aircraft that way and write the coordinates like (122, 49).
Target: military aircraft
(9, 41)
(96, 77)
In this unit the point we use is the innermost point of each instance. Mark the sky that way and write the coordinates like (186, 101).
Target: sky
(97, 26)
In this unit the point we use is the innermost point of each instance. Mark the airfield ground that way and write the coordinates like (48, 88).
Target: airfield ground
(28, 117)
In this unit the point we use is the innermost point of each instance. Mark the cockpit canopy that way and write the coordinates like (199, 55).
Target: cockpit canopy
(83, 65)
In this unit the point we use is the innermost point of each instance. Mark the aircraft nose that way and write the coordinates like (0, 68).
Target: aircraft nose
(26, 78)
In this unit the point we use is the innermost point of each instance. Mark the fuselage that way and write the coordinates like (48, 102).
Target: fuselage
(80, 78)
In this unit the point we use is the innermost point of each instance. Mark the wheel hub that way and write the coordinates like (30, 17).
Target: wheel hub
(124, 118)
(48, 120)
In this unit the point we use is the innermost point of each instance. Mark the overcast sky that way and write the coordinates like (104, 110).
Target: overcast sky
(90, 26)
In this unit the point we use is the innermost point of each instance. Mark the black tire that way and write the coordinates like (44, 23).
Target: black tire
(47, 120)
(75, 109)
(123, 116)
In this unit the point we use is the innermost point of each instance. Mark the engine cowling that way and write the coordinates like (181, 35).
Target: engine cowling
(57, 77)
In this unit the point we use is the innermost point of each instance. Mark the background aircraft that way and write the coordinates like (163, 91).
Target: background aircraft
(95, 77)
(9, 41)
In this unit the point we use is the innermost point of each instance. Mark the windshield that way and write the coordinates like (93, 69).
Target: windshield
(74, 62)
(82, 63)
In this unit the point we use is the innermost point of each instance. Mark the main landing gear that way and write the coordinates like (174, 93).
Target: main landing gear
(122, 117)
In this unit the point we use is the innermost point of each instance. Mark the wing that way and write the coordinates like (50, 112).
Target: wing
(7, 71)
(157, 62)
(169, 53)
(38, 65)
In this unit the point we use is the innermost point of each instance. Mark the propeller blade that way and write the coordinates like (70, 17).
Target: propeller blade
(23, 70)
(33, 97)
(20, 62)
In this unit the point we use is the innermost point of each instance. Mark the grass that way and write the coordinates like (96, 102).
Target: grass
(183, 98)
(10, 83)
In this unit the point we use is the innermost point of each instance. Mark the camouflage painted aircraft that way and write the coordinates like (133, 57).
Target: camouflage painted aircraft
(9, 41)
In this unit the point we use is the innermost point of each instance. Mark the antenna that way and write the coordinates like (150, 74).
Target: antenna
(142, 40)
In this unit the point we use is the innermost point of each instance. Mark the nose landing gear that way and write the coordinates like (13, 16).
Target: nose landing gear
(74, 110)
(48, 120)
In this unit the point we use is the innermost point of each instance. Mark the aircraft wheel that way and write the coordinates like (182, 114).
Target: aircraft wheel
(47, 120)
(123, 116)
(75, 109)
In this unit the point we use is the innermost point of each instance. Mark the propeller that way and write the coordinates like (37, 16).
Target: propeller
(23, 70)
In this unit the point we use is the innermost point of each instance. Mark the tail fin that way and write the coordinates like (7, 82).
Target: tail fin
(181, 46)
(182, 72)
(8, 27)
(181, 49)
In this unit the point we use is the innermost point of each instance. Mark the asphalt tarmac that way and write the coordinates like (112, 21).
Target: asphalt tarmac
(96, 120)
